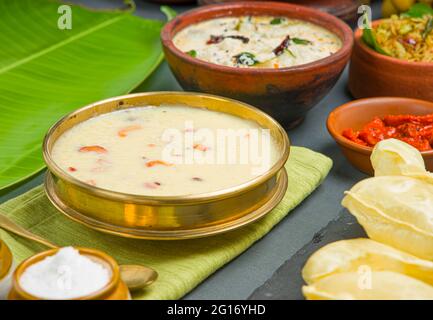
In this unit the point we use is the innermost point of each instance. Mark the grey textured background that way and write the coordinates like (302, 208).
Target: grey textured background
(240, 278)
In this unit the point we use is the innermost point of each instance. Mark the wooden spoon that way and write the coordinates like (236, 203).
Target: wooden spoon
(135, 276)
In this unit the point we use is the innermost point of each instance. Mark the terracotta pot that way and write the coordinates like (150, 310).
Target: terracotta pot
(372, 74)
(343, 9)
(286, 93)
(173, 1)
(356, 114)
(114, 290)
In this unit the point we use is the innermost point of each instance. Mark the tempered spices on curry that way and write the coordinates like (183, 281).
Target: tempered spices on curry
(414, 130)
(257, 41)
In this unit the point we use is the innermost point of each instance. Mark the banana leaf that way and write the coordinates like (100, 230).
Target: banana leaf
(47, 71)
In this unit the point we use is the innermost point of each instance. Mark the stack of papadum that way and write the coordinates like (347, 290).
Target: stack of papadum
(396, 210)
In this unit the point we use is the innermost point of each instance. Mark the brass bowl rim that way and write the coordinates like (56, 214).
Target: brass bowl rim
(163, 200)
(110, 286)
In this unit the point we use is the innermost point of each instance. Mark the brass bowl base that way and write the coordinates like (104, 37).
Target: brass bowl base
(177, 234)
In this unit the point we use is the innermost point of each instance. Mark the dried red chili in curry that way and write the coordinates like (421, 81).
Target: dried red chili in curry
(414, 130)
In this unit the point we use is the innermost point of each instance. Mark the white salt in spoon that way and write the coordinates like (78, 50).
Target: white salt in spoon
(135, 276)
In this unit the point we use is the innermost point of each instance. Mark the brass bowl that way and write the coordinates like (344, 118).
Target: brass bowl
(166, 217)
(6, 270)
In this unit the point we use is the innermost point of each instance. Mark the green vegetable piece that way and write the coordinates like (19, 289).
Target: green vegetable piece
(276, 21)
(246, 59)
(369, 37)
(405, 29)
(428, 28)
(418, 10)
(238, 25)
(301, 41)
(192, 53)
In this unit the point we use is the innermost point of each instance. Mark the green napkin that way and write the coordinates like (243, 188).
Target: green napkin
(181, 265)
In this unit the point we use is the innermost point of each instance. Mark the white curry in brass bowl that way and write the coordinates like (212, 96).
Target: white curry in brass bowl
(167, 150)
(166, 165)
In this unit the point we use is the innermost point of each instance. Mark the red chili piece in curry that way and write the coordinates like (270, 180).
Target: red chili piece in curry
(414, 130)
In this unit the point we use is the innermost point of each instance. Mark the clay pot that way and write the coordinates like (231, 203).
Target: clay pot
(173, 1)
(287, 94)
(356, 114)
(343, 9)
(372, 74)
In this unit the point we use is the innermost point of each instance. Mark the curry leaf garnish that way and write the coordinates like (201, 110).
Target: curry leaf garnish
(301, 41)
(246, 59)
(276, 21)
(192, 53)
(428, 28)
(418, 10)
(369, 37)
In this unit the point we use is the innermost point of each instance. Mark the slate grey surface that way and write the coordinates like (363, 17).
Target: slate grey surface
(286, 283)
(240, 278)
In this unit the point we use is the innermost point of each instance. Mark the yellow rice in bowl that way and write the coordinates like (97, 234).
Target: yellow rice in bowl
(406, 38)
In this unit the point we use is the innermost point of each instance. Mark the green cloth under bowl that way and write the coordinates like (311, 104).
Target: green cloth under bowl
(182, 264)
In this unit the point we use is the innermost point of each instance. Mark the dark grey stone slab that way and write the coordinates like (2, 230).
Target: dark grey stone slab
(286, 282)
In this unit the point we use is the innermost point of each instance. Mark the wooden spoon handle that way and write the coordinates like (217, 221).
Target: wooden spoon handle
(9, 225)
